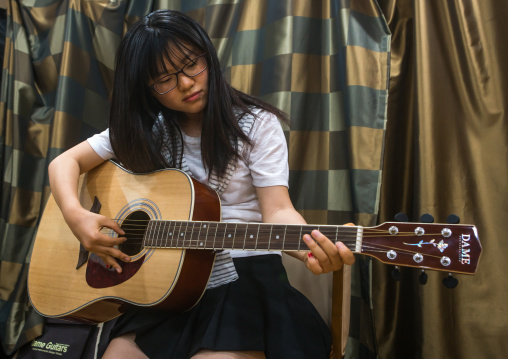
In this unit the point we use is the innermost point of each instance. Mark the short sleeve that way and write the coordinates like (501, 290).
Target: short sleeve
(268, 157)
(102, 145)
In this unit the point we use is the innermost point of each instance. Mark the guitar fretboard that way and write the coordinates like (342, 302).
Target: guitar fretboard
(243, 236)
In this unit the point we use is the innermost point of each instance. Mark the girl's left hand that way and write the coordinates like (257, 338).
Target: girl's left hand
(324, 255)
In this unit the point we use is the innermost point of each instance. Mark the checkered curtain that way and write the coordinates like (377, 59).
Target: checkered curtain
(323, 62)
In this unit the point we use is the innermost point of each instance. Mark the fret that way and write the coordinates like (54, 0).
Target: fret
(199, 243)
(277, 239)
(215, 234)
(229, 236)
(300, 237)
(208, 236)
(158, 233)
(164, 238)
(224, 235)
(151, 237)
(154, 233)
(251, 234)
(167, 229)
(150, 234)
(207, 225)
(146, 241)
(257, 237)
(284, 240)
(172, 233)
(186, 232)
(147, 235)
(270, 239)
(245, 237)
(241, 231)
(178, 234)
(234, 236)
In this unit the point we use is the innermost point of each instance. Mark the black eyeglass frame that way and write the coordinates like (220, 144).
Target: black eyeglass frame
(181, 71)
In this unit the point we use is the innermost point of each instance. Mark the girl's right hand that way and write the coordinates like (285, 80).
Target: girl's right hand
(87, 226)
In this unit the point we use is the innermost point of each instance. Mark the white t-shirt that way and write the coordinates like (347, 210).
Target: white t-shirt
(263, 164)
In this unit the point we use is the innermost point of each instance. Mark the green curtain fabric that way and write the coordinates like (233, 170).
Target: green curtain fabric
(447, 152)
(326, 63)
(57, 76)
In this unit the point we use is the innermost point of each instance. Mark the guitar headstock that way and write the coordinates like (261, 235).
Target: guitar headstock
(443, 247)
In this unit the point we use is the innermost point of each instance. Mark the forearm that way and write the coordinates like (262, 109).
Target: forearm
(64, 172)
(63, 179)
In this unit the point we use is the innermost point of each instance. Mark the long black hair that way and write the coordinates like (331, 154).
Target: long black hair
(166, 35)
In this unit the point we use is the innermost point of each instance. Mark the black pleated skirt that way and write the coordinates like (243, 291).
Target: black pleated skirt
(260, 311)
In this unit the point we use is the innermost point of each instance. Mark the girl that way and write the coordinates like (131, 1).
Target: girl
(172, 108)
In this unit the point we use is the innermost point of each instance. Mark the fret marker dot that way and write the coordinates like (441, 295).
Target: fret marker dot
(181, 234)
(201, 244)
(277, 236)
(251, 236)
(170, 233)
(229, 235)
(204, 226)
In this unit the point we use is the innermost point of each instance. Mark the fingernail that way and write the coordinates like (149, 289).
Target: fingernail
(108, 266)
(127, 259)
(310, 255)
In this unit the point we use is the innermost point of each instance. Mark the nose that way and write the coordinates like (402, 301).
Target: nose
(185, 82)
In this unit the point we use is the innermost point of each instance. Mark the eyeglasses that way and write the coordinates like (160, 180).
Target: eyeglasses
(169, 82)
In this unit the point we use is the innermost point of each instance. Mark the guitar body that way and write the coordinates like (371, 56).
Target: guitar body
(61, 285)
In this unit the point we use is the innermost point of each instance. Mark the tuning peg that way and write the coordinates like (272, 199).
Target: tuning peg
(453, 219)
(426, 218)
(401, 217)
(395, 273)
(423, 277)
(450, 282)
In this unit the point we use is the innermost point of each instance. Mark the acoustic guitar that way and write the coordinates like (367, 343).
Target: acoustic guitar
(173, 230)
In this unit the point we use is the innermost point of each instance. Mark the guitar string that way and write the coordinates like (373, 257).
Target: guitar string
(350, 233)
(351, 230)
(366, 247)
(372, 247)
(367, 233)
(263, 231)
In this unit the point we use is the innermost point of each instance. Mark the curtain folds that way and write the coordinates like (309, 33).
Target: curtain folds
(446, 152)
(57, 76)
(326, 63)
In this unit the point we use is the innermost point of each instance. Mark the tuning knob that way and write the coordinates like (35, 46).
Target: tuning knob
(453, 219)
(396, 273)
(423, 278)
(450, 282)
(426, 218)
(401, 217)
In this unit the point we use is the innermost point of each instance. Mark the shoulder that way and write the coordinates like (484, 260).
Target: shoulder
(259, 120)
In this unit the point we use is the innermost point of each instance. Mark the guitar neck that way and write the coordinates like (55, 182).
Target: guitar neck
(443, 247)
(241, 236)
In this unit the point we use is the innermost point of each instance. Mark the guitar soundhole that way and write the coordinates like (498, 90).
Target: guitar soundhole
(134, 226)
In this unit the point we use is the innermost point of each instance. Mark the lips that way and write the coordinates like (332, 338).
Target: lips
(192, 96)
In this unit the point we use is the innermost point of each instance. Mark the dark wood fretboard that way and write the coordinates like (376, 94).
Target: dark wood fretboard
(240, 236)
